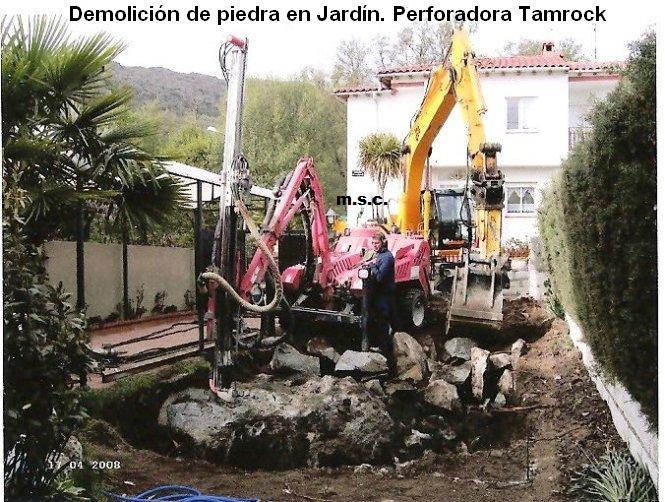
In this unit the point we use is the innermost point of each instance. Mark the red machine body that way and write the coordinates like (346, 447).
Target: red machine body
(337, 267)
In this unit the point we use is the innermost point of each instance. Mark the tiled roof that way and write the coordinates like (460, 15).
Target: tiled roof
(538, 61)
(595, 65)
(356, 88)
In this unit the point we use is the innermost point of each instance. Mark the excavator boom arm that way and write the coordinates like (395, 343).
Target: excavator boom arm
(456, 83)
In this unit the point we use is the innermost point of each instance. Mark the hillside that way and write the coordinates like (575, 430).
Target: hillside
(179, 93)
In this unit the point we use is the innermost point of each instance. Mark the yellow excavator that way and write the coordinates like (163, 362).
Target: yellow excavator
(466, 242)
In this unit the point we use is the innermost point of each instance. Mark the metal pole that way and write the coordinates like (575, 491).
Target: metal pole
(198, 262)
(228, 219)
(125, 276)
(80, 253)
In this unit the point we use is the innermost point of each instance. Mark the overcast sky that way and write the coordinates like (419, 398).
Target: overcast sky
(283, 48)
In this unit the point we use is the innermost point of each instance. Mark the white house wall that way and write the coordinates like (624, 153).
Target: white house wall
(527, 159)
(584, 94)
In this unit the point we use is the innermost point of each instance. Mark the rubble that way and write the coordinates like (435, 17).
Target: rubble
(397, 387)
(518, 349)
(442, 394)
(264, 424)
(500, 360)
(319, 347)
(455, 375)
(363, 362)
(479, 363)
(460, 348)
(506, 384)
(499, 401)
(375, 386)
(287, 360)
(410, 358)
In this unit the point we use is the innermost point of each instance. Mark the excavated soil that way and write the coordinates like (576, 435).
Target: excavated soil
(515, 455)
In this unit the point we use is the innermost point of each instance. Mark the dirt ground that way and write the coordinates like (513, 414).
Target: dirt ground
(521, 455)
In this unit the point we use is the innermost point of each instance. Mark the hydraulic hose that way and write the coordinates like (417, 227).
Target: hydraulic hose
(272, 268)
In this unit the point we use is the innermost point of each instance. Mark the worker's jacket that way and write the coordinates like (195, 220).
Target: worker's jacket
(383, 271)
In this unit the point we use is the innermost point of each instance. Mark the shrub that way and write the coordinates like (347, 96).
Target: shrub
(614, 477)
(44, 347)
(598, 225)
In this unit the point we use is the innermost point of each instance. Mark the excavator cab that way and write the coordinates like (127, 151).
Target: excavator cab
(453, 222)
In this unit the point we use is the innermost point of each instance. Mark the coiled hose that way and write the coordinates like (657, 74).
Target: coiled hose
(176, 493)
(272, 268)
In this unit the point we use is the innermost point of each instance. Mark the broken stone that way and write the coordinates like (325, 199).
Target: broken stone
(412, 467)
(455, 375)
(326, 421)
(506, 384)
(363, 469)
(397, 387)
(442, 394)
(410, 358)
(517, 350)
(499, 401)
(319, 347)
(460, 348)
(364, 362)
(496, 453)
(375, 386)
(500, 360)
(479, 362)
(417, 438)
(287, 359)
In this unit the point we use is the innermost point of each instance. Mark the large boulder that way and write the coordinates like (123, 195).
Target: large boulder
(410, 358)
(287, 360)
(266, 424)
(459, 348)
(442, 395)
(455, 375)
(353, 361)
(479, 364)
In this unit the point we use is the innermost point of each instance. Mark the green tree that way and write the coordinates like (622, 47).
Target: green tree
(567, 47)
(379, 156)
(67, 138)
(352, 63)
(69, 151)
(286, 120)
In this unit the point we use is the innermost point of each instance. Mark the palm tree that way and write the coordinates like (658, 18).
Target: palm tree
(67, 139)
(379, 156)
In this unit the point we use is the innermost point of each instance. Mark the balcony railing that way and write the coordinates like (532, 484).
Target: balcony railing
(577, 134)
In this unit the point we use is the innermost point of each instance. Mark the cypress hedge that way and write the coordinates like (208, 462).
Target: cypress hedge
(598, 227)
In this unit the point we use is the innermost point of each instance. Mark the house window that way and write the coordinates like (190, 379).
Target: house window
(520, 114)
(520, 200)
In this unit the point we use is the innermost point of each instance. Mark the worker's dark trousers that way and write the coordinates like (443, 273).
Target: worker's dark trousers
(382, 317)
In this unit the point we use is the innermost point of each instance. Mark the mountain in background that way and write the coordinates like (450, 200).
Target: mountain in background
(179, 93)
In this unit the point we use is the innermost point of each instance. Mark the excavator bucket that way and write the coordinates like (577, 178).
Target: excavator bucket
(477, 294)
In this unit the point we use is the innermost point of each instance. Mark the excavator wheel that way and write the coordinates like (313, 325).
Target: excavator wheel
(411, 310)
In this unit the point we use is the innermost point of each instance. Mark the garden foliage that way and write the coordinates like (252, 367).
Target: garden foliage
(598, 224)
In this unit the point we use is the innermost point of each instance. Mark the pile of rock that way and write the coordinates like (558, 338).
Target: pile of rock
(354, 414)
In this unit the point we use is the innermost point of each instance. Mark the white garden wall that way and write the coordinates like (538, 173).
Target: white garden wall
(167, 269)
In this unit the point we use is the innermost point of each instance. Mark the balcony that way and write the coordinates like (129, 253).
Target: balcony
(577, 134)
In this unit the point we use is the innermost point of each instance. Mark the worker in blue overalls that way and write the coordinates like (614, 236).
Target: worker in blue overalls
(382, 293)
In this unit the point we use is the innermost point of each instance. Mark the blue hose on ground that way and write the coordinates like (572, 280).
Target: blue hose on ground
(176, 493)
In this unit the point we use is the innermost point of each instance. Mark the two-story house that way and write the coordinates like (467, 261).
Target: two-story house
(536, 108)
